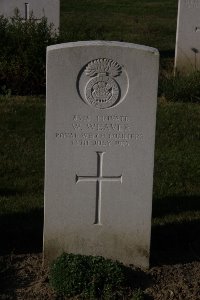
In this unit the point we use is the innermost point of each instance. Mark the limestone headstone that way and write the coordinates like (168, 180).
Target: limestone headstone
(187, 57)
(100, 130)
(41, 8)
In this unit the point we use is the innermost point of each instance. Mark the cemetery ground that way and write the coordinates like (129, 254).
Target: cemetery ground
(175, 248)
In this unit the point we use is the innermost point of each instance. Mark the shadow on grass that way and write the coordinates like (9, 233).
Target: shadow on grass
(174, 205)
(170, 243)
(175, 243)
(9, 192)
(167, 53)
(22, 233)
(178, 242)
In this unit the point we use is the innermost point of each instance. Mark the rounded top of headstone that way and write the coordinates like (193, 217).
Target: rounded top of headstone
(104, 43)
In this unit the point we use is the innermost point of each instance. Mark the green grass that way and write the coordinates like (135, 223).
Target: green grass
(146, 22)
(21, 154)
(21, 173)
(176, 175)
(180, 88)
(177, 170)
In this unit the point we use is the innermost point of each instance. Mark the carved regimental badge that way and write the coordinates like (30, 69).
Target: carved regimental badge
(103, 83)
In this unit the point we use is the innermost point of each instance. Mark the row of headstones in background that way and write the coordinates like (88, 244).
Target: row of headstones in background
(187, 56)
(40, 8)
(100, 132)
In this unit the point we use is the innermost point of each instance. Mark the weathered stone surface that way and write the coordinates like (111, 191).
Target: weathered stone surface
(100, 130)
(48, 8)
(187, 57)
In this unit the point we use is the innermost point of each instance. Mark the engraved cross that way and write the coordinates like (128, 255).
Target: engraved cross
(99, 179)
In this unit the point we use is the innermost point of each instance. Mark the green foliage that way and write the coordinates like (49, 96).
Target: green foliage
(23, 54)
(181, 88)
(138, 295)
(90, 277)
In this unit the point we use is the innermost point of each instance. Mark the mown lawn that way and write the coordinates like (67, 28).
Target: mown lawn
(177, 170)
(148, 22)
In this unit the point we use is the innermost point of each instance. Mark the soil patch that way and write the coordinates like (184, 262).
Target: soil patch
(23, 277)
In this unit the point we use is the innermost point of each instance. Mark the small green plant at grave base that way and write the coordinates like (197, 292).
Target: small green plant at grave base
(181, 88)
(91, 277)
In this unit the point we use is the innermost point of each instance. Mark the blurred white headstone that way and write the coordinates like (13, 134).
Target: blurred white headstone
(187, 57)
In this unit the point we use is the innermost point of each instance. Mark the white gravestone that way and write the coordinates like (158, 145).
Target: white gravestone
(187, 56)
(41, 8)
(100, 130)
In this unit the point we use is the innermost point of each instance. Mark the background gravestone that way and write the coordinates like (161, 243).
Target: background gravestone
(48, 8)
(100, 130)
(187, 57)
